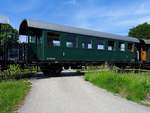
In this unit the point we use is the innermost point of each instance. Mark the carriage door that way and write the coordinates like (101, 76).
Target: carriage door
(143, 53)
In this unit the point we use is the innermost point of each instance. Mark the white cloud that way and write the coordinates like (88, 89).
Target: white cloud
(4, 19)
(135, 21)
(91, 14)
(112, 19)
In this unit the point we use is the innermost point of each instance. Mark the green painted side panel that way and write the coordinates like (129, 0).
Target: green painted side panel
(69, 54)
(32, 51)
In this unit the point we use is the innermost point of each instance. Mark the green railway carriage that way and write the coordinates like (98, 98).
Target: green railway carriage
(58, 45)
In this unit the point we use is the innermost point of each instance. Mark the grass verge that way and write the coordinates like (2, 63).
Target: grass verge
(133, 86)
(11, 94)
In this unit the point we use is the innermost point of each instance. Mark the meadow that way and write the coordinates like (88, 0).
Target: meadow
(133, 86)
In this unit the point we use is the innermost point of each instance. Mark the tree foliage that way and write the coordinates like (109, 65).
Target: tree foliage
(8, 34)
(141, 31)
(8, 37)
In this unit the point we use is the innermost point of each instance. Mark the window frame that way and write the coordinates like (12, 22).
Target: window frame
(122, 49)
(102, 45)
(112, 47)
(70, 42)
(132, 49)
(89, 46)
(51, 37)
(55, 44)
(83, 47)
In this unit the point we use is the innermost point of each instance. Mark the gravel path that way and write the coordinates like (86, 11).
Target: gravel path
(74, 95)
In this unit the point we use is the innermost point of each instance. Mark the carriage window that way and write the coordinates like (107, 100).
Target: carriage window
(39, 40)
(69, 44)
(100, 46)
(143, 48)
(131, 47)
(32, 39)
(110, 45)
(56, 43)
(89, 46)
(13, 53)
(53, 40)
(83, 45)
(122, 46)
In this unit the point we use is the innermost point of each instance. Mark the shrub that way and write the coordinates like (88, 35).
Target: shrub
(14, 71)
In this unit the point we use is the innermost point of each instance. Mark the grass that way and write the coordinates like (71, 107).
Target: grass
(12, 93)
(133, 86)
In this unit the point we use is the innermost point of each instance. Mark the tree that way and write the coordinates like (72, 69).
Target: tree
(8, 33)
(8, 37)
(141, 31)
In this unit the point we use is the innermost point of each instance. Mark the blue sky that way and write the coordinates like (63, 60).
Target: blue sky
(114, 16)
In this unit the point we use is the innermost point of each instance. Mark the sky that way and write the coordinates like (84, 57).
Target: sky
(113, 16)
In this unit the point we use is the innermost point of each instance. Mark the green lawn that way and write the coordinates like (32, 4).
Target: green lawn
(12, 93)
(133, 86)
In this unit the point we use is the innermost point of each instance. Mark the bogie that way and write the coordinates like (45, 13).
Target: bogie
(50, 69)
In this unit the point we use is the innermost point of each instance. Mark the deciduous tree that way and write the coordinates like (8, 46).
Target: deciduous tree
(141, 31)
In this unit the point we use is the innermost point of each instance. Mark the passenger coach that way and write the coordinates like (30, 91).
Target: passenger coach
(55, 46)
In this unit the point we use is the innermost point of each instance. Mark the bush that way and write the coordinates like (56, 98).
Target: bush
(14, 71)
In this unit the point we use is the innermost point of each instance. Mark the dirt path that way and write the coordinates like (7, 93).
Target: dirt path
(74, 95)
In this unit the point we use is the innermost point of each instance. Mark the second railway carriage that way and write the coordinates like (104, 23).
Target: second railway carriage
(144, 51)
(55, 46)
